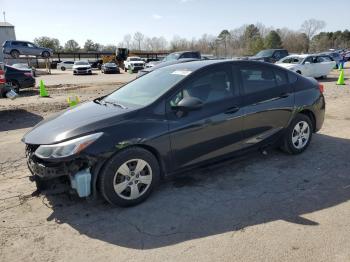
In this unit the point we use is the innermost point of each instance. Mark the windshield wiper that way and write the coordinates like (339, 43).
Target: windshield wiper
(113, 103)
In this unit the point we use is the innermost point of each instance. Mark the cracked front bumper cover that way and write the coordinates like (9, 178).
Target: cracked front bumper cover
(48, 170)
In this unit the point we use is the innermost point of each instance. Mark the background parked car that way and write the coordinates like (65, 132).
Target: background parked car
(2, 79)
(308, 65)
(163, 64)
(110, 68)
(65, 65)
(338, 58)
(269, 55)
(134, 63)
(176, 56)
(82, 68)
(19, 78)
(17, 48)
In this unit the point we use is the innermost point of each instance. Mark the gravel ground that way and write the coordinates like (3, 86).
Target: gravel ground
(256, 208)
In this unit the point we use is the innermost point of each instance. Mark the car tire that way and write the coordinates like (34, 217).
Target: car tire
(15, 53)
(15, 86)
(45, 54)
(133, 186)
(298, 135)
(125, 69)
(63, 68)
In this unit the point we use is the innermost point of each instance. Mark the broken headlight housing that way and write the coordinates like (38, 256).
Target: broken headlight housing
(67, 148)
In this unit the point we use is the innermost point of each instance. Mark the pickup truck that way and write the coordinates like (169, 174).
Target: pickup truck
(270, 55)
(134, 63)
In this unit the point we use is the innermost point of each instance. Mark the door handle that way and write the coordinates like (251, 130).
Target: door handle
(232, 110)
(284, 95)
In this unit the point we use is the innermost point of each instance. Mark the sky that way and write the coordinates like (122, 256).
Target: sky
(107, 21)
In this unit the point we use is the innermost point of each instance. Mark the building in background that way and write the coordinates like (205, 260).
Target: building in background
(7, 32)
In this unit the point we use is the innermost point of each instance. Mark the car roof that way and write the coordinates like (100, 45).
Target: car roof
(195, 65)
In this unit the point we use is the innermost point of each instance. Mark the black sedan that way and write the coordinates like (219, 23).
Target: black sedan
(110, 68)
(19, 78)
(172, 119)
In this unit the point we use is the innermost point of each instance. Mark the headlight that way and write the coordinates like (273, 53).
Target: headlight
(66, 148)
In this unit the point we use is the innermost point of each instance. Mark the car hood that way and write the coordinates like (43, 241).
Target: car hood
(86, 118)
(80, 66)
(136, 62)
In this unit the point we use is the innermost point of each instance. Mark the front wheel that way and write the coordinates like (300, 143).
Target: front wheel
(63, 68)
(45, 54)
(14, 53)
(129, 177)
(298, 135)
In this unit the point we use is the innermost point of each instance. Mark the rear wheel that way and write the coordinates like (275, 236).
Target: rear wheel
(63, 68)
(14, 53)
(129, 177)
(298, 135)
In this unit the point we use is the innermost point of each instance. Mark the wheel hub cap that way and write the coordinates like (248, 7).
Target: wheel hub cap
(300, 134)
(132, 179)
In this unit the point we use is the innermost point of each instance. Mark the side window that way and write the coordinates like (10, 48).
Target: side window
(259, 79)
(208, 87)
(281, 77)
(277, 55)
(309, 59)
(186, 55)
(30, 45)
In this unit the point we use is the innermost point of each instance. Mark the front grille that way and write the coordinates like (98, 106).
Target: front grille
(82, 68)
(138, 64)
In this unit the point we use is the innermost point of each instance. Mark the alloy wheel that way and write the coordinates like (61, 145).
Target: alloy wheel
(300, 134)
(132, 179)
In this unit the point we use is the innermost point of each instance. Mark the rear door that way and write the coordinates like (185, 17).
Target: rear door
(268, 102)
(213, 130)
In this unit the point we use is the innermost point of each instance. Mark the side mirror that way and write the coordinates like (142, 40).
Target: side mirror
(307, 63)
(188, 104)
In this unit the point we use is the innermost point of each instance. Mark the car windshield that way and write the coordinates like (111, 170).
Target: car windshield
(81, 63)
(292, 60)
(171, 57)
(134, 59)
(264, 53)
(110, 64)
(148, 88)
(20, 66)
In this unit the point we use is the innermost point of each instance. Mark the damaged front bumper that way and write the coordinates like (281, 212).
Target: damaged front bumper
(78, 171)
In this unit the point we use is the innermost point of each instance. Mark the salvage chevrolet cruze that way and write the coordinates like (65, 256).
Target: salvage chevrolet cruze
(172, 119)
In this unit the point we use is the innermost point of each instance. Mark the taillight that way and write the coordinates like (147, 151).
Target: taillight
(321, 87)
(2, 77)
(28, 74)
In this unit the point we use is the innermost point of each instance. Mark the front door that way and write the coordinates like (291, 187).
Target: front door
(215, 128)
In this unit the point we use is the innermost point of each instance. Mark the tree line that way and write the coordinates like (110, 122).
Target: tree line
(245, 40)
